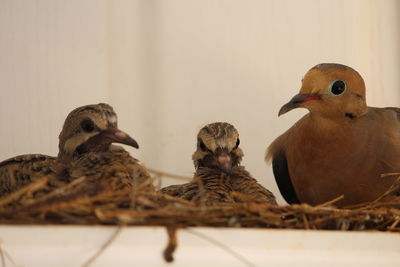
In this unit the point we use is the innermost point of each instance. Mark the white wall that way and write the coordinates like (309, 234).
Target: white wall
(169, 67)
(53, 57)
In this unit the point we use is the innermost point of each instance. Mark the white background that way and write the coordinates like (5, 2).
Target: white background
(169, 67)
(69, 246)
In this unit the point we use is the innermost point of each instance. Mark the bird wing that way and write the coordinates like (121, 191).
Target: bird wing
(207, 188)
(276, 154)
(191, 191)
(21, 170)
(111, 171)
(282, 177)
(174, 190)
(244, 183)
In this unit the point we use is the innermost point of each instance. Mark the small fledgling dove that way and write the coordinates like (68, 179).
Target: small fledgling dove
(218, 170)
(85, 149)
(341, 147)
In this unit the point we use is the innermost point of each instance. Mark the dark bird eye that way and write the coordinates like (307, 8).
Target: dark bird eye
(203, 146)
(338, 87)
(87, 125)
(237, 143)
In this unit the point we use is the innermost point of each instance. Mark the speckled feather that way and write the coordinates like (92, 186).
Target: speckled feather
(101, 163)
(111, 171)
(211, 184)
(208, 187)
(21, 170)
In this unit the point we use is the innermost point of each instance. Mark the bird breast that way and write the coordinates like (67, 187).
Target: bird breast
(326, 162)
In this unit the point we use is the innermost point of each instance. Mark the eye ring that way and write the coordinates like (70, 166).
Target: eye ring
(87, 125)
(337, 87)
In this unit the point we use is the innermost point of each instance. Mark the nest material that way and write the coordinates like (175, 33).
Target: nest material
(75, 204)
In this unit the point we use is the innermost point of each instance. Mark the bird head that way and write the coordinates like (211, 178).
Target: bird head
(91, 128)
(218, 147)
(331, 90)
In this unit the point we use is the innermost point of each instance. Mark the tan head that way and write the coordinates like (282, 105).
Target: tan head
(331, 90)
(218, 147)
(90, 128)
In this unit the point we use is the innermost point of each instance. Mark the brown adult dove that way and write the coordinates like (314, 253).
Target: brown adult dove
(341, 147)
(218, 171)
(84, 149)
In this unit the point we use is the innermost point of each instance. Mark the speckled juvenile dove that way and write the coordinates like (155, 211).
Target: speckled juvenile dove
(21, 170)
(341, 147)
(86, 145)
(84, 150)
(218, 171)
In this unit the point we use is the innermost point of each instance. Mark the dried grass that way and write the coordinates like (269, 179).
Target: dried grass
(80, 203)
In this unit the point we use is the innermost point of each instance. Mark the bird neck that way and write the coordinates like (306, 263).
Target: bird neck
(327, 121)
(66, 157)
(216, 172)
(319, 125)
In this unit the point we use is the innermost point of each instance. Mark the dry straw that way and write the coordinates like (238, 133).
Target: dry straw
(73, 203)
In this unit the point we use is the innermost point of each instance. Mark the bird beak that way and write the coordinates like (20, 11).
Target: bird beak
(118, 136)
(296, 101)
(224, 161)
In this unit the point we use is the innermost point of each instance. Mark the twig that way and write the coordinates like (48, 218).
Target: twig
(103, 247)
(330, 202)
(158, 181)
(79, 202)
(3, 260)
(394, 224)
(169, 175)
(61, 190)
(180, 200)
(306, 224)
(393, 188)
(4, 254)
(222, 246)
(29, 187)
(172, 244)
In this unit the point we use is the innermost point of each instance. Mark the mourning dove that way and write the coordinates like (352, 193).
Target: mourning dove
(84, 149)
(218, 172)
(341, 147)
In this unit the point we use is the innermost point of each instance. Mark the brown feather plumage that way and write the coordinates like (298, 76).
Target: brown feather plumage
(111, 170)
(19, 171)
(218, 172)
(342, 147)
(85, 149)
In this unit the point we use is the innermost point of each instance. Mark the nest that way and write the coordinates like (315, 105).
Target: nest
(74, 203)
(78, 202)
